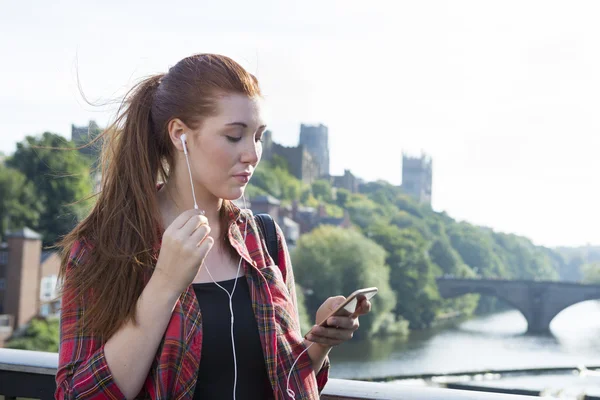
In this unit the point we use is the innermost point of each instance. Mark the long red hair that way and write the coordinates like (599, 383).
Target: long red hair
(121, 232)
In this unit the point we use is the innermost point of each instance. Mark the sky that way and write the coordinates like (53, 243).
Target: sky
(504, 96)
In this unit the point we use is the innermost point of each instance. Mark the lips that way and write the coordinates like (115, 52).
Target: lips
(243, 177)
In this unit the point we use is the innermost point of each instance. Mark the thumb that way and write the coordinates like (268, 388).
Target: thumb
(337, 301)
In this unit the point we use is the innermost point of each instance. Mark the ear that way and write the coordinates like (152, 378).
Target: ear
(176, 128)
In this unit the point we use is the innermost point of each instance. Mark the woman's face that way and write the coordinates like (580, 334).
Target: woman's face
(226, 148)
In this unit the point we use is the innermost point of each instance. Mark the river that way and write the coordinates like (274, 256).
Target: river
(492, 342)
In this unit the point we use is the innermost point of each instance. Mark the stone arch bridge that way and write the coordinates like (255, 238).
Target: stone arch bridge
(538, 301)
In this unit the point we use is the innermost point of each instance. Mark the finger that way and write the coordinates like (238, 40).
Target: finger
(184, 217)
(343, 323)
(200, 235)
(335, 302)
(366, 307)
(323, 341)
(329, 336)
(363, 307)
(205, 246)
(332, 333)
(195, 222)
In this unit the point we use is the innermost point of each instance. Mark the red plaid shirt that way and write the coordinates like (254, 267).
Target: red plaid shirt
(84, 374)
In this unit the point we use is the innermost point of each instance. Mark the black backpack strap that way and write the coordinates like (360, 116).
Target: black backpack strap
(267, 225)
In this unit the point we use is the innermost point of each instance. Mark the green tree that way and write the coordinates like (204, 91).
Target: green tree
(276, 181)
(19, 205)
(364, 211)
(341, 197)
(322, 191)
(442, 254)
(476, 248)
(403, 219)
(61, 178)
(332, 261)
(591, 273)
(306, 322)
(279, 162)
(40, 335)
(412, 275)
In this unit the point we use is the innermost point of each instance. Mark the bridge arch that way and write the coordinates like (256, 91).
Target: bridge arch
(490, 293)
(539, 302)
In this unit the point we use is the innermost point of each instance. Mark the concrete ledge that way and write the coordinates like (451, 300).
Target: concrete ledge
(24, 364)
(341, 389)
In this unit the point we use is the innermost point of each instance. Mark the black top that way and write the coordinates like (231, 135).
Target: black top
(216, 372)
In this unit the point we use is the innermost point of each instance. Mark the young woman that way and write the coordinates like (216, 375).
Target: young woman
(168, 289)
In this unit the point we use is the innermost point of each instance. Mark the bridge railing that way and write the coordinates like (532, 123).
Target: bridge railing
(30, 374)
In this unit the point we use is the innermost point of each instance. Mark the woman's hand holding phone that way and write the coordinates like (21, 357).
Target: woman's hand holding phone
(337, 325)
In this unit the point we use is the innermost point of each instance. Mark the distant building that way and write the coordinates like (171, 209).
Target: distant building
(316, 140)
(301, 163)
(266, 205)
(347, 181)
(309, 218)
(417, 177)
(296, 220)
(28, 281)
(270, 205)
(82, 135)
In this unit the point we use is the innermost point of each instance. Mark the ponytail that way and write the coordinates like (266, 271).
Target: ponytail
(122, 229)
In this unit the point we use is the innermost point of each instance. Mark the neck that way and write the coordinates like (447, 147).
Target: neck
(176, 197)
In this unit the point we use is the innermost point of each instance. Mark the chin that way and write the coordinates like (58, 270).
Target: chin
(233, 193)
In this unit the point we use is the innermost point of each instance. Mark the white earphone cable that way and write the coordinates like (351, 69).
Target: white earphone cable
(288, 390)
(230, 295)
(187, 161)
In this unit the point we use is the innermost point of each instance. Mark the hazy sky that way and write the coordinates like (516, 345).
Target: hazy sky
(504, 95)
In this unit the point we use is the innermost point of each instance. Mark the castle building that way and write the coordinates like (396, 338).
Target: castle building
(417, 177)
(316, 140)
(301, 163)
(347, 181)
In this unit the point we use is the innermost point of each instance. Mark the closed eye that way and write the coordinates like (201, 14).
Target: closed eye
(233, 139)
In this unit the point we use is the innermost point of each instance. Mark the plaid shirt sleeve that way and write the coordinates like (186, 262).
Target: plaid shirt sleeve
(82, 369)
(285, 265)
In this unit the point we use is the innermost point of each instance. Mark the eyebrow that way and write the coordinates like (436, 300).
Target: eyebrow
(243, 125)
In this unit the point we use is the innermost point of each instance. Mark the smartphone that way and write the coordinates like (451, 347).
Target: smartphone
(349, 305)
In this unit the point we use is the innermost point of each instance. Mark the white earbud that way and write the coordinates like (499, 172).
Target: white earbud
(184, 142)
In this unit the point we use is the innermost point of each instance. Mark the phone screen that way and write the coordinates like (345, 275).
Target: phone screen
(349, 306)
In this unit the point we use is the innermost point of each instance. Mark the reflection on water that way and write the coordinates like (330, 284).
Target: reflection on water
(492, 342)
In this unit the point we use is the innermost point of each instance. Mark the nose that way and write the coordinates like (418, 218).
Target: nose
(252, 152)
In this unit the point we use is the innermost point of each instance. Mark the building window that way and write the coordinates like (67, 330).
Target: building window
(48, 287)
(2, 284)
